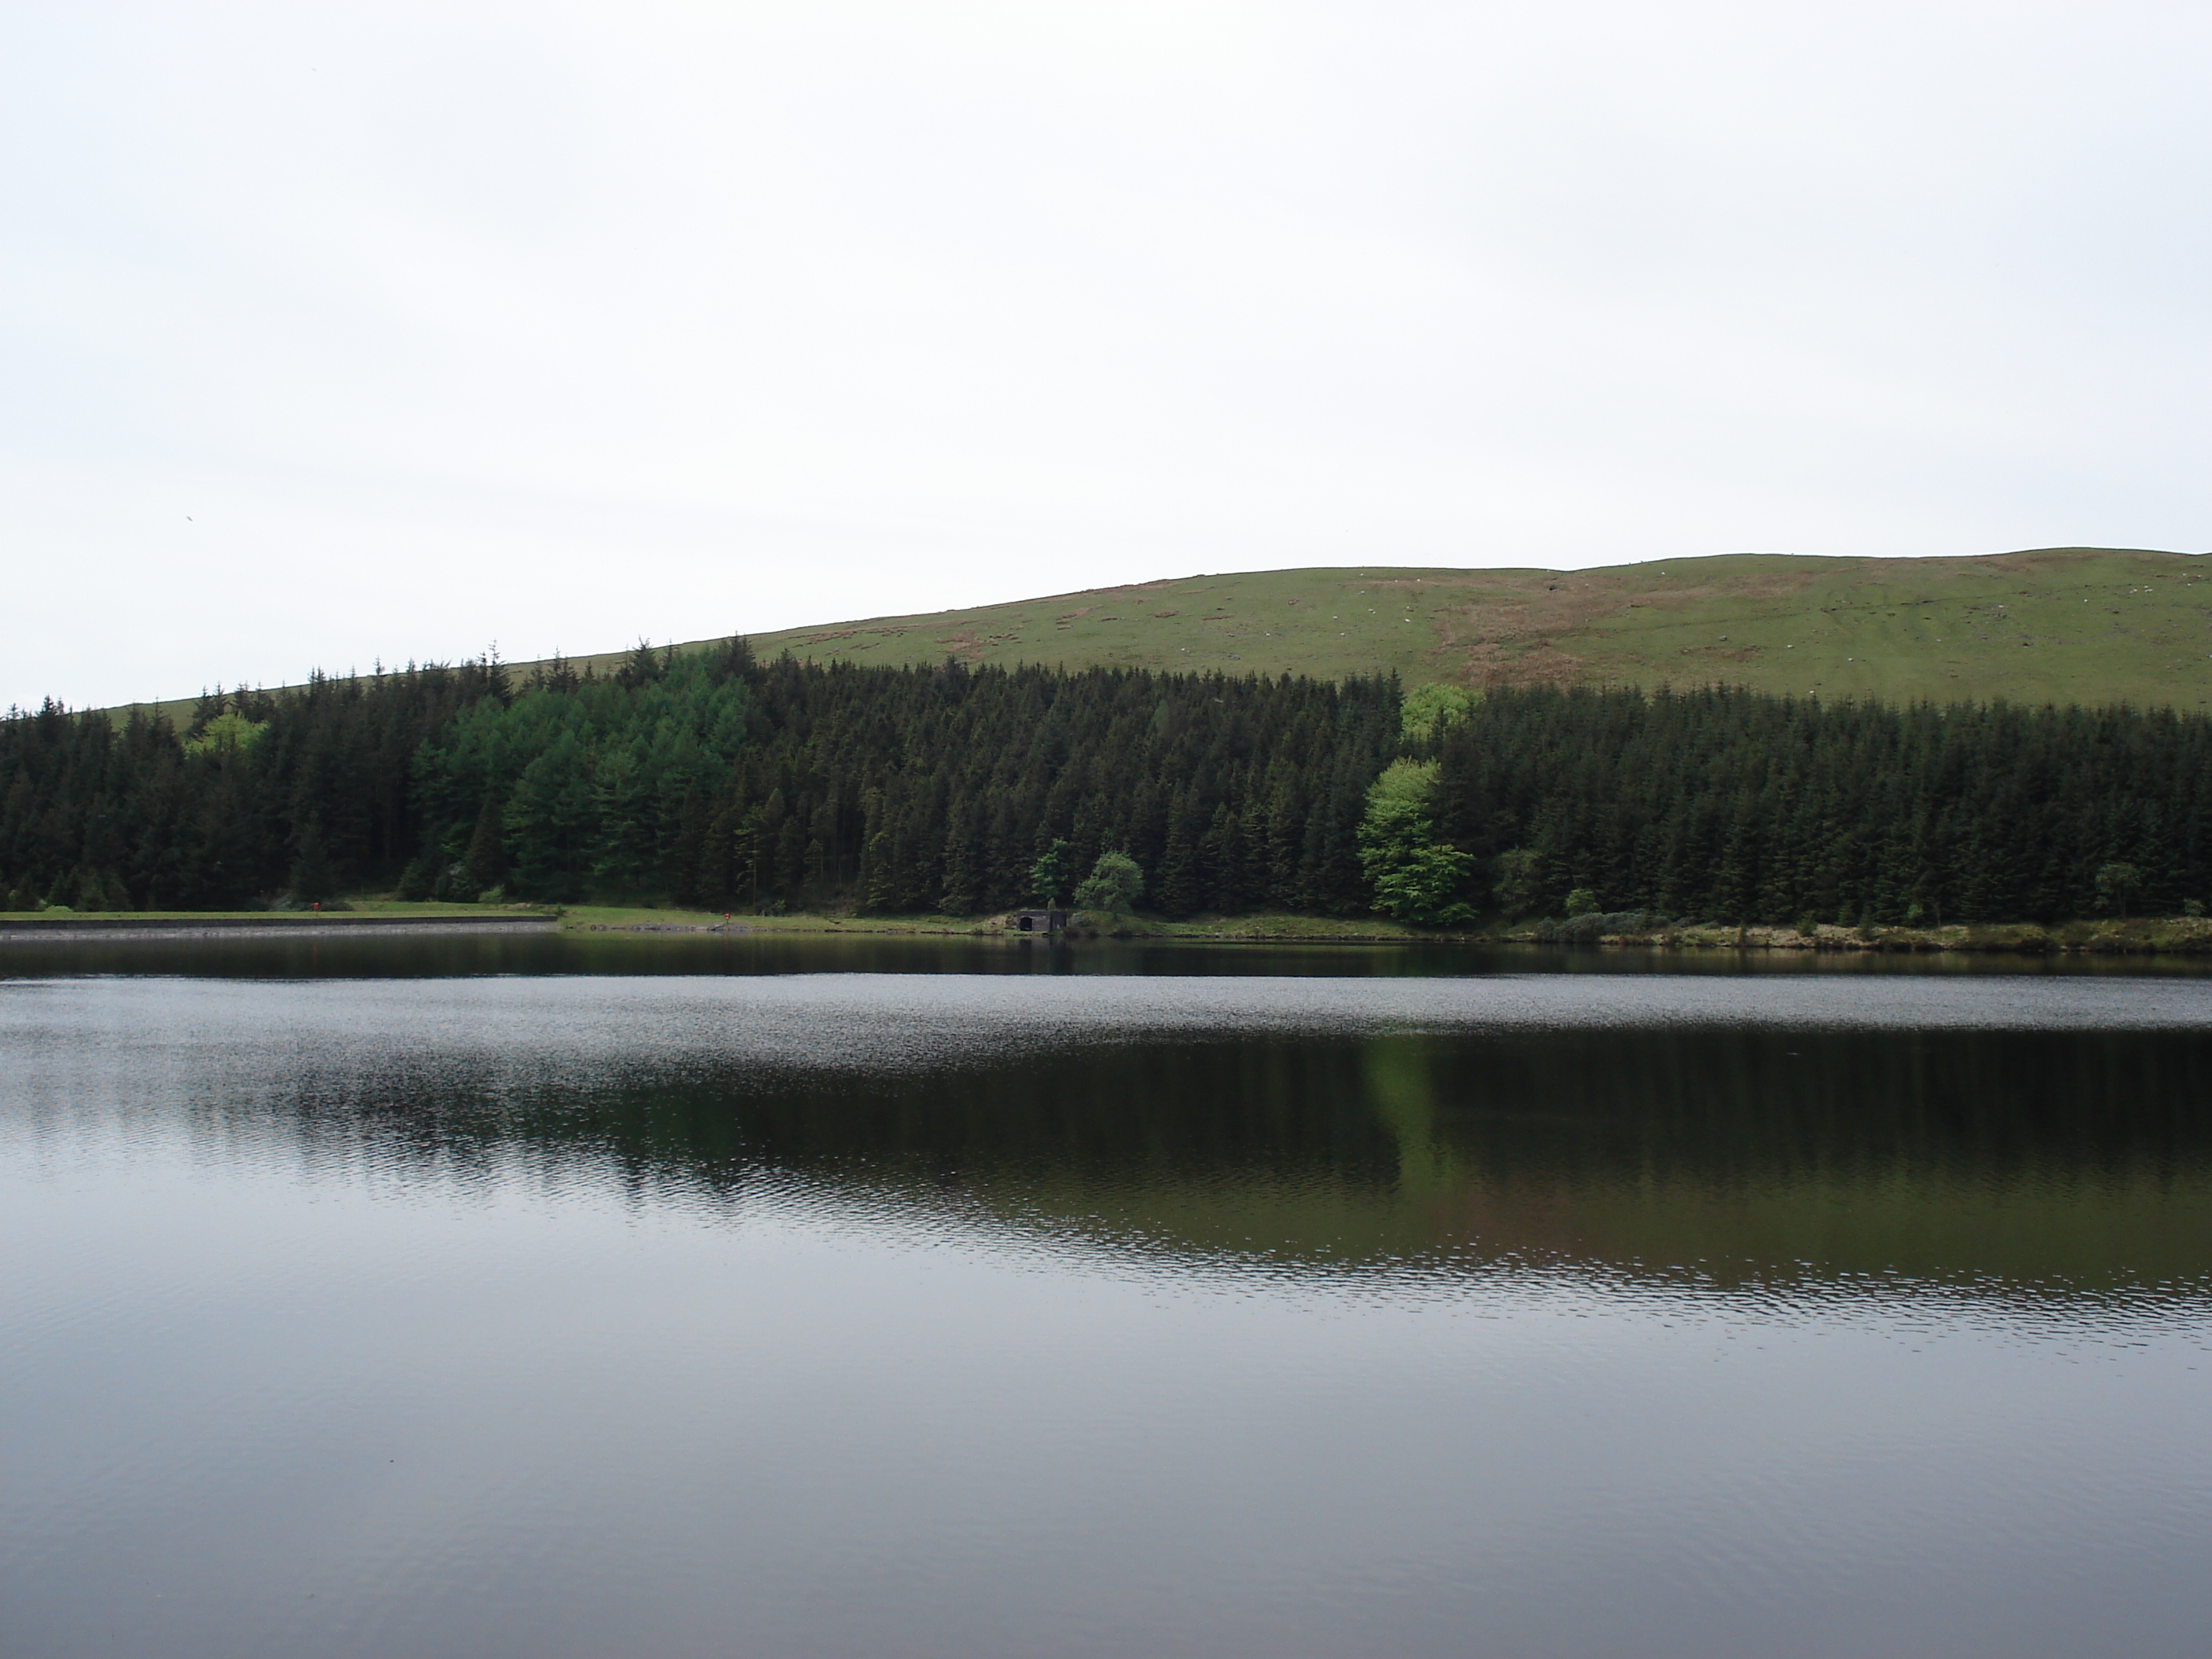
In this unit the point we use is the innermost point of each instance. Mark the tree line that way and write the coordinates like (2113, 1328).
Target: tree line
(730, 784)
(1741, 807)
(712, 780)
(719, 781)
(96, 815)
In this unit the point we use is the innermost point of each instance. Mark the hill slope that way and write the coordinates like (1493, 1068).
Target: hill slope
(2072, 624)
(2088, 625)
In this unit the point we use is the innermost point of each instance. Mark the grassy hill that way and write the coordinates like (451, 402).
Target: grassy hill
(2088, 625)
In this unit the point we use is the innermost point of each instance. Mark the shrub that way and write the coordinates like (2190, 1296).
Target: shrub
(1591, 925)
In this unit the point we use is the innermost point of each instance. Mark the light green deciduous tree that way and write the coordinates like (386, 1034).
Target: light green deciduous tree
(1113, 885)
(1416, 877)
(1048, 876)
(1428, 709)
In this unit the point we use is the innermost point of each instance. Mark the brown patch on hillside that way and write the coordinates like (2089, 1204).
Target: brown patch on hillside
(963, 645)
(1508, 630)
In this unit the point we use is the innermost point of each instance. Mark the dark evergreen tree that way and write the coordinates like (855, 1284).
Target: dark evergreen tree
(313, 879)
(1725, 806)
(486, 857)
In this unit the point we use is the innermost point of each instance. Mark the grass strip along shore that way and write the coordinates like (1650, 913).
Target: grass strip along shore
(368, 914)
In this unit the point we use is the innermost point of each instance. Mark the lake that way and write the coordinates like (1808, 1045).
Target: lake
(769, 1295)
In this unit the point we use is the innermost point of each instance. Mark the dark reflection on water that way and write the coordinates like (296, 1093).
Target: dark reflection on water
(1998, 1162)
(1627, 1314)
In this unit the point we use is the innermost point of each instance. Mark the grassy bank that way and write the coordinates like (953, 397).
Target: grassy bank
(2146, 935)
(354, 909)
(2155, 935)
(616, 919)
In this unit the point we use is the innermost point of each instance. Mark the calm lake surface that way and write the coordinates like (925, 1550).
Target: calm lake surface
(764, 1296)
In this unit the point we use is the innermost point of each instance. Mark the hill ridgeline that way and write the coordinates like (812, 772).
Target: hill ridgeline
(2092, 626)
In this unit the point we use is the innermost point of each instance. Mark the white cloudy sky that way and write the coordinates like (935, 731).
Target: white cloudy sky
(329, 332)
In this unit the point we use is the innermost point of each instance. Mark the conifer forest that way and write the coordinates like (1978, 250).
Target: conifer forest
(714, 780)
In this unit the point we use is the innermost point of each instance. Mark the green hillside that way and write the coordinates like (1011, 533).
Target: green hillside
(2067, 624)
(2089, 625)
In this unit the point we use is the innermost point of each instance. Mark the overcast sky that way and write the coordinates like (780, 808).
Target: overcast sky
(330, 333)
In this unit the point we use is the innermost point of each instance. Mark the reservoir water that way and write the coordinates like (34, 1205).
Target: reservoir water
(758, 1296)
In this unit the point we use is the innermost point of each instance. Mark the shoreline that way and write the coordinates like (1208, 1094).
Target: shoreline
(1712, 941)
(2159, 936)
(2154, 936)
(113, 929)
